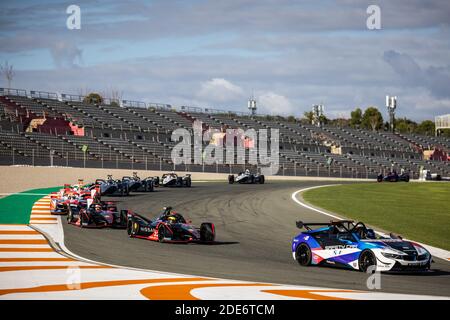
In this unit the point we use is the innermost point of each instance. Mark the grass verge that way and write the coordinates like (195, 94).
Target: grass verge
(419, 211)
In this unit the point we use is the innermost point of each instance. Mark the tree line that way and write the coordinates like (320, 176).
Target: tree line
(372, 119)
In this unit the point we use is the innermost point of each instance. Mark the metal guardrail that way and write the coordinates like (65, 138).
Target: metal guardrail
(191, 109)
(13, 92)
(134, 104)
(44, 95)
(72, 97)
(159, 106)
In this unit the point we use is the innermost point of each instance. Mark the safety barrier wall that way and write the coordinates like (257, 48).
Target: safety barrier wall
(18, 178)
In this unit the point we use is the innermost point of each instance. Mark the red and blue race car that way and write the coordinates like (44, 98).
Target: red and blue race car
(169, 227)
(97, 215)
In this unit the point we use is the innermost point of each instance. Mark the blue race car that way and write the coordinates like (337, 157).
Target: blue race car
(346, 244)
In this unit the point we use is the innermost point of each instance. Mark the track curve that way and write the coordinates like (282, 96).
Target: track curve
(255, 225)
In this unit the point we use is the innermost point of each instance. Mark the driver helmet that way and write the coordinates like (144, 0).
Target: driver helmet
(98, 207)
(172, 219)
(371, 234)
(247, 171)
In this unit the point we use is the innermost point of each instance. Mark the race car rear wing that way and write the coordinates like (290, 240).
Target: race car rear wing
(307, 225)
(130, 214)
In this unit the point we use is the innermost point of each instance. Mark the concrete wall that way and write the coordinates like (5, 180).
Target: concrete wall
(16, 178)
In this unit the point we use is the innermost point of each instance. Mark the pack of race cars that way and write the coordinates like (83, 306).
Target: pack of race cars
(84, 208)
(340, 243)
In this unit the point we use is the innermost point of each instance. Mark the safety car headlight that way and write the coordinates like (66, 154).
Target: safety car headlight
(421, 251)
(391, 255)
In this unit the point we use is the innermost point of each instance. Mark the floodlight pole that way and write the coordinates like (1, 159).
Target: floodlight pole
(318, 111)
(252, 106)
(391, 104)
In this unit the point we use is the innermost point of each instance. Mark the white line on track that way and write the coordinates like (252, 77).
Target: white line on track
(294, 197)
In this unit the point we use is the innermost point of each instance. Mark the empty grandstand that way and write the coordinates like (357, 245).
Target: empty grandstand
(41, 128)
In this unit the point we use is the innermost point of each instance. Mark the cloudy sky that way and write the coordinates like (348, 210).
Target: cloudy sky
(288, 54)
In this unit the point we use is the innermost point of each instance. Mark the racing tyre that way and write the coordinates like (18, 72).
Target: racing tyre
(123, 219)
(366, 260)
(407, 179)
(261, 179)
(81, 219)
(70, 216)
(207, 232)
(188, 182)
(180, 181)
(304, 255)
(230, 179)
(130, 227)
(150, 186)
(379, 178)
(161, 233)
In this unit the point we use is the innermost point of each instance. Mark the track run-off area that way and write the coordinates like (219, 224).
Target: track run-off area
(251, 258)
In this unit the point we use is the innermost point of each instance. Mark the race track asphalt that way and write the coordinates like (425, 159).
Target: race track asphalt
(254, 225)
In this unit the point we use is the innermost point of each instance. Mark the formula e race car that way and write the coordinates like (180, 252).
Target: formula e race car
(137, 184)
(173, 180)
(169, 227)
(246, 177)
(69, 195)
(112, 187)
(98, 215)
(393, 177)
(344, 243)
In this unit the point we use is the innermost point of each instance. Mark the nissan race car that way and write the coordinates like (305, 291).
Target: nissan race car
(246, 177)
(393, 177)
(169, 227)
(97, 215)
(112, 187)
(173, 180)
(344, 243)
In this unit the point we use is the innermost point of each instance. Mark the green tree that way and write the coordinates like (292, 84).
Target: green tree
(93, 98)
(404, 125)
(339, 122)
(291, 119)
(115, 104)
(372, 119)
(426, 127)
(309, 115)
(323, 119)
(355, 118)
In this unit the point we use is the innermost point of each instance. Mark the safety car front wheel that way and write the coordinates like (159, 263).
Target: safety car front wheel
(367, 261)
(304, 255)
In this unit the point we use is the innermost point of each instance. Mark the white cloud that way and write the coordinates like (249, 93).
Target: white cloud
(220, 90)
(273, 103)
